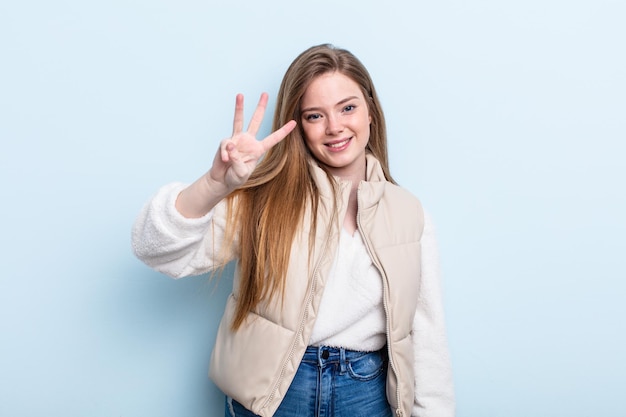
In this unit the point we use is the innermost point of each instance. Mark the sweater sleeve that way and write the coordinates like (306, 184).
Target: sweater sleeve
(170, 243)
(434, 390)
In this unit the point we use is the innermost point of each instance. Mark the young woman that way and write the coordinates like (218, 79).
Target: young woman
(336, 307)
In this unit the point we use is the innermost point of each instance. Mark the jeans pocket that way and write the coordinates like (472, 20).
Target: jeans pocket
(234, 409)
(367, 367)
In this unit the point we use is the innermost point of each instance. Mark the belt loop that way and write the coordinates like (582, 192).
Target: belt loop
(320, 363)
(342, 360)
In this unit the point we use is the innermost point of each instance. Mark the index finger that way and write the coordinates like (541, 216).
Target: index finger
(238, 120)
(278, 135)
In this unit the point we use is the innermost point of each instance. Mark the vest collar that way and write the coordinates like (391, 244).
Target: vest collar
(370, 191)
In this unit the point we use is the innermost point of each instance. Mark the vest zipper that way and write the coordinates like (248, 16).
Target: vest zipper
(300, 327)
(399, 412)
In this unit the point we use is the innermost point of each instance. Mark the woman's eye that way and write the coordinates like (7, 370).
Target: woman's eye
(313, 116)
(349, 107)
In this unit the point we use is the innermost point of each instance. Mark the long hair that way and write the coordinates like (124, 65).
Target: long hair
(268, 209)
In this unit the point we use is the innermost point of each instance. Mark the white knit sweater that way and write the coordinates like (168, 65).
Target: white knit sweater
(351, 314)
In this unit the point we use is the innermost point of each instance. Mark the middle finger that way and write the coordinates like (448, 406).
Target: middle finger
(257, 117)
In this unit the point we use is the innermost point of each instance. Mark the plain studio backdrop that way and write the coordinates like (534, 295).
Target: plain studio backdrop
(507, 118)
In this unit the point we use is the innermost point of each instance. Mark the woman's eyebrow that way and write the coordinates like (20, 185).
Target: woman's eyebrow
(340, 102)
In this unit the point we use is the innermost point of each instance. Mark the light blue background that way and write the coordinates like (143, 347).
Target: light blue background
(507, 118)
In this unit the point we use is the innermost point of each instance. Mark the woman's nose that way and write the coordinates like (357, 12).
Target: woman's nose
(333, 126)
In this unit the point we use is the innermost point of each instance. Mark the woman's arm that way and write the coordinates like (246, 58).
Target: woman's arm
(175, 245)
(180, 231)
(434, 389)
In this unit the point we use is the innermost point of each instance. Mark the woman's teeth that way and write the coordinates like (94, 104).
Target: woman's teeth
(338, 144)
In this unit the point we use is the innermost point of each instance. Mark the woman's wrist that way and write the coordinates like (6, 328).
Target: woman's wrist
(200, 197)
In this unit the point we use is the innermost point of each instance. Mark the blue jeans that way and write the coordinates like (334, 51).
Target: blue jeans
(333, 382)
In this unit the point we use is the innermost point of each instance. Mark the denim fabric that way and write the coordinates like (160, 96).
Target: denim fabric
(333, 382)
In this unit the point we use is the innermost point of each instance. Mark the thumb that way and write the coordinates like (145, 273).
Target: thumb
(271, 140)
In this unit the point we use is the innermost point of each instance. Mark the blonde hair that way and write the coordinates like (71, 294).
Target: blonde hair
(270, 207)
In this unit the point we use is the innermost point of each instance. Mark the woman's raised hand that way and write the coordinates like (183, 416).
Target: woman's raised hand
(238, 155)
(234, 161)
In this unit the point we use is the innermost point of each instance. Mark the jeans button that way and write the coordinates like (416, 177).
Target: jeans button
(325, 354)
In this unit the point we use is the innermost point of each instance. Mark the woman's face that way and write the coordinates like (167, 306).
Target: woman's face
(336, 123)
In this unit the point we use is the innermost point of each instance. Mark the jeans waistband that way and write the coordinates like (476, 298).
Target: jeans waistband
(326, 355)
